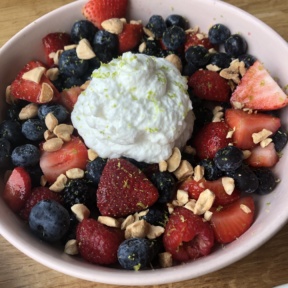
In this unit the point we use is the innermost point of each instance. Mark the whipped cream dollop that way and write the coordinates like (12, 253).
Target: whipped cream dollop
(135, 106)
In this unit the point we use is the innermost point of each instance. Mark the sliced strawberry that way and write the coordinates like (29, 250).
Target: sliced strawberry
(209, 85)
(210, 139)
(97, 11)
(196, 39)
(73, 154)
(53, 42)
(68, 97)
(258, 90)
(221, 197)
(30, 90)
(187, 236)
(246, 124)
(130, 37)
(124, 189)
(263, 157)
(231, 221)
(17, 189)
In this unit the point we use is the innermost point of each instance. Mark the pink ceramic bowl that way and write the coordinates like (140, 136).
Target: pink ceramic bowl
(272, 212)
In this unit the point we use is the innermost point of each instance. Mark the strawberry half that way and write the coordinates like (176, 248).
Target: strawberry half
(258, 90)
(246, 124)
(124, 189)
(97, 11)
(187, 236)
(68, 97)
(73, 154)
(17, 189)
(231, 221)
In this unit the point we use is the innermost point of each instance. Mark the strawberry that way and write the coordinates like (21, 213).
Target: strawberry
(209, 85)
(130, 37)
(98, 243)
(263, 157)
(231, 221)
(124, 189)
(246, 124)
(37, 194)
(17, 189)
(73, 154)
(196, 39)
(221, 197)
(97, 11)
(53, 42)
(258, 90)
(210, 139)
(30, 90)
(68, 97)
(186, 236)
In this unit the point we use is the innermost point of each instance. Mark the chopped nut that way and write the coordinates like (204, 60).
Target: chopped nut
(260, 136)
(170, 207)
(29, 111)
(52, 73)
(109, 221)
(123, 20)
(232, 72)
(71, 247)
(175, 60)
(49, 135)
(56, 56)
(248, 110)
(53, 144)
(265, 142)
(182, 196)
(165, 259)
(34, 74)
(69, 47)
(63, 131)
(137, 229)
(136, 22)
(43, 181)
(142, 47)
(217, 109)
(246, 154)
(245, 208)
(46, 94)
(204, 202)
(8, 96)
(218, 117)
(198, 173)
(75, 173)
(189, 150)
(242, 68)
(237, 105)
(230, 133)
(113, 25)
(174, 160)
(59, 184)
(190, 205)
(212, 67)
(228, 185)
(208, 215)
(51, 121)
(127, 221)
(92, 155)
(155, 231)
(163, 166)
(184, 170)
(200, 36)
(84, 50)
(148, 32)
(81, 211)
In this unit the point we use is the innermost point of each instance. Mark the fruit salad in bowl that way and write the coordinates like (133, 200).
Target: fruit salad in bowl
(142, 144)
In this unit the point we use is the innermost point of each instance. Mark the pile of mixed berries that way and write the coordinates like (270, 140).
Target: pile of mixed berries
(121, 211)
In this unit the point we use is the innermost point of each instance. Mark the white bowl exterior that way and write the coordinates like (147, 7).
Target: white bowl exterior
(272, 212)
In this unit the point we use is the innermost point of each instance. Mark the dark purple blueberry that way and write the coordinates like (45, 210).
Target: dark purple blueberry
(176, 20)
(229, 158)
(218, 34)
(5, 153)
(280, 139)
(197, 55)
(25, 155)
(248, 59)
(94, 170)
(220, 59)
(235, 45)
(174, 37)
(152, 48)
(189, 69)
(11, 130)
(156, 25)
(72, 81)
(157, 215)
(33, 129)
(212, 172)
(58, 110)
(83, 29)
(35, 173)
(267, 180)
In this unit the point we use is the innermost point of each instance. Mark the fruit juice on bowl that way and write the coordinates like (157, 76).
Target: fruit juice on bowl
(271, 212)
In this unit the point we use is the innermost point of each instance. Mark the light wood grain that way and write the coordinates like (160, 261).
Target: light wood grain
(266, 267)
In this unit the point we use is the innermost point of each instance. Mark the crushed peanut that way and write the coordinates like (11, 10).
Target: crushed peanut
(245, 208)
(113, 25)
(109, 221)
(142, 47)
(237, 105)
(212, 67)
(51, 121)
(53, 144)
(182, 196)
(190, 205)
(69, 47)
(52, 73)
(165, 259)
(49, 135)
(265, 142)
(29, 111)
(46, 94)
(154, 231)
(59, 184)
(246, 154)
(148, 32)
(43, 181)
(75, 173)
(204, 202)
(64, 131)
(208, 215)
(92, 155)
(84, 50)
(71, 247)
(80, 211)
(174, 160)
(189, 150)
(139, 229)
(170, 208)
(184, 170)
(56, 56)
(260, 136)
(198, 173)
(34, 74)
(8, 96)
(163, 166)
(175, 60)
(127, 221)
(228, 184)
(230, 133)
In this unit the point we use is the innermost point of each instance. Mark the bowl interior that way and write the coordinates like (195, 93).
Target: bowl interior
(272, 209)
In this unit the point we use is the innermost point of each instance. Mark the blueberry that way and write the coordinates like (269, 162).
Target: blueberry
(94, 63)
(211, 171)
(280, 139)
(59, 111)
(218, 34)
(165, 183)
(35, 173)
(25, 155)
(189, 69)
(70, 65)
(235, 45)
(5, 153)
(197, 55)
(267, 180)
(156, 25)
(105, 45)
(152, 48)
(220, 59)
(11, 130)
(13, 112)
(229, 158)
(156, 215)
(94, 170)
(245, 179)
(176, 20)
(49, 220)
(247, 59)
(135, 253)
(73, 81)
(83, 29)
(33, 129)
(174, 37)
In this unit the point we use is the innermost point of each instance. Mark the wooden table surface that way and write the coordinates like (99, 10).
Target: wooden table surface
(266, 267)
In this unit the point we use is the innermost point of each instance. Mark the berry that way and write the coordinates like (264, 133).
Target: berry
(231, 221)
(59, 111)
(68, 97)
(211, 171)
(94, 170)
(156, 25)
(220, 59)
(124, 189)
(33, 129)
(186, 236)
(235, 46)
(258, 90)
(25, 155)
(189, 69)
(197, 55)
(193, 39)
(83, 29)
(248, 59)
(228, 158)
(218, 34)
(267, 181)
(280, 139)
(35, 173)
(98, 243)
(11, 131)
(156, 215)
(135, 253)
(5, 153)
(49, 220)
(174, 38)
(152, 48)
(176, 20)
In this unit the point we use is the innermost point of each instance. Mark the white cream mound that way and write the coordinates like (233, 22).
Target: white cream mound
(136, 106)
